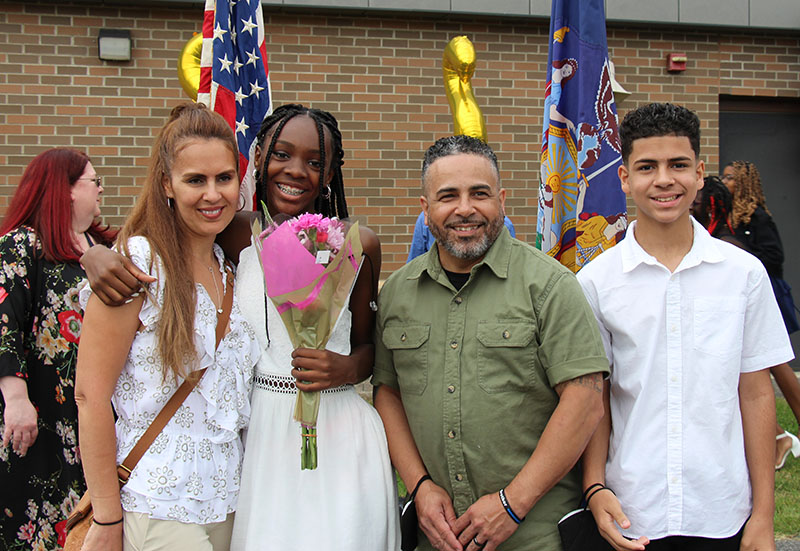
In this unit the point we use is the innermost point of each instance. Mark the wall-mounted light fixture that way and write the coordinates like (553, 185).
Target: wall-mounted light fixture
(114, 45)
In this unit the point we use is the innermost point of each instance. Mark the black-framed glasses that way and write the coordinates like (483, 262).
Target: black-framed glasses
(98, 180)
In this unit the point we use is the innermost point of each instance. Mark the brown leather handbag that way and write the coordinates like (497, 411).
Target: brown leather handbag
(80, 519)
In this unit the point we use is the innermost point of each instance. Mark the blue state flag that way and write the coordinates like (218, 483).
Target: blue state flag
(581, 204)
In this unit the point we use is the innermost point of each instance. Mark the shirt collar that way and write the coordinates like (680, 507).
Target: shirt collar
(497, 259)
(704, 249)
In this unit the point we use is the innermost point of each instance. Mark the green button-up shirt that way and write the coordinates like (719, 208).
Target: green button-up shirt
(476, 368)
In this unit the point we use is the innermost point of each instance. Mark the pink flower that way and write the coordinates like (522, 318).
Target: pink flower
(305, 221)
(3, 294)
(336, 237)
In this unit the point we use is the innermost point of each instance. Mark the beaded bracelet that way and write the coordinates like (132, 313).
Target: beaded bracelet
(508, 509)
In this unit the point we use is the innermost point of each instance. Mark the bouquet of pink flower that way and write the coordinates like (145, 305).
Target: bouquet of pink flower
(310, 264)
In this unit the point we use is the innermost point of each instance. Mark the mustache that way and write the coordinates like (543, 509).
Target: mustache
(468, 220)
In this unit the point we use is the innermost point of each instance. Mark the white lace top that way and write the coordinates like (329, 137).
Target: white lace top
(191, 471)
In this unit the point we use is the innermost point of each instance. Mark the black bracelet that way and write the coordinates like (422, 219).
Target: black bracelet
(589, 489)
(425, 477)
(508, 509)
(107, 523)
(600, 489)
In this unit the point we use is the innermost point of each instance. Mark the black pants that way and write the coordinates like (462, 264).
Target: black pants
(688, 543)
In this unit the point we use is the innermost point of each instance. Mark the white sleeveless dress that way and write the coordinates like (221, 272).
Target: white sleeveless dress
(349, 501)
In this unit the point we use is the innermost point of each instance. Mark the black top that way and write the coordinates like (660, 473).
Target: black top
(457, 279)
(761, 238)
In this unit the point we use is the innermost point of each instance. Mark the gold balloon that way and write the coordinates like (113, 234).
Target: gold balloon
(458, 66)
(189, 65)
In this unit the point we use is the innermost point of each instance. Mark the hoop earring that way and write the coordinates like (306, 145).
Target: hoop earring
(325, 192)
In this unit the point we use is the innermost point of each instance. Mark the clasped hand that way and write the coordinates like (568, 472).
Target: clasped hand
(485, 520)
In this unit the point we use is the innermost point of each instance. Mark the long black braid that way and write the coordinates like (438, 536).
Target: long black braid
(327, 204)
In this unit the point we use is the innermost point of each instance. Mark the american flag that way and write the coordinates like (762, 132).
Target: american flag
(234, 77)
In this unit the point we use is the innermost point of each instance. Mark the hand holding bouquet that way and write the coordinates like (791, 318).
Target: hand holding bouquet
(310, 264)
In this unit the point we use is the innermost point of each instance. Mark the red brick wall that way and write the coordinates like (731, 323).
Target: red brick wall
(381, 76)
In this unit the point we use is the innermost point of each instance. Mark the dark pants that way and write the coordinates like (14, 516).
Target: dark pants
(688, 543)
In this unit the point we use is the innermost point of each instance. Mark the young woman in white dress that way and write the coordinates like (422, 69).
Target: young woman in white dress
(349, 501)
(182, 493)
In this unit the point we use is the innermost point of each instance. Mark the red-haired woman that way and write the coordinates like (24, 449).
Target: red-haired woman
(51, 221)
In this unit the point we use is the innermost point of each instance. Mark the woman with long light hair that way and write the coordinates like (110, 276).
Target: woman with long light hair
(183, 491)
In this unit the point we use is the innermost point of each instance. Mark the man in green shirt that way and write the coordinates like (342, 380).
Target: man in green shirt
(488, 368)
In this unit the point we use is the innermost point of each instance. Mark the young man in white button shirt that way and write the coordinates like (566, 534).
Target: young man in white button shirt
(690, 327)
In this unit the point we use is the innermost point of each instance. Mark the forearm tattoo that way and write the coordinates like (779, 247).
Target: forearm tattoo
(593, 381)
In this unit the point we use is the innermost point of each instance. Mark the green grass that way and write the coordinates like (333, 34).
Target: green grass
(787, 483)
(401, 488)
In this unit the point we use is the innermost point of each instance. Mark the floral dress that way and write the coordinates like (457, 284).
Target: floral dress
(40, 325)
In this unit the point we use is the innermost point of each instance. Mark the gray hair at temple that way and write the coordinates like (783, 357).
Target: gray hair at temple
(457, 145)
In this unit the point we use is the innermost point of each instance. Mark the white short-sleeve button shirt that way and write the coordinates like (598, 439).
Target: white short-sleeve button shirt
(677, 343)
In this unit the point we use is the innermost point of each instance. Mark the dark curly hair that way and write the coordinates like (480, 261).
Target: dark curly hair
(335, 203)
(455, 145)
(659, 119)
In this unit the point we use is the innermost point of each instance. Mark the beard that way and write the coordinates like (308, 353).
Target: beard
(467, 248)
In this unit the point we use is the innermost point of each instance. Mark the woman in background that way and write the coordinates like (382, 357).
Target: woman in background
(50, 223)
(754, 228)
(712, 208)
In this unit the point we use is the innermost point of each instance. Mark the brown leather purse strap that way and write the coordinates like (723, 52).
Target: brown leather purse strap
(124, 470)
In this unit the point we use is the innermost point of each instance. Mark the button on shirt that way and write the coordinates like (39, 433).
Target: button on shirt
(477, 367)
(677, 343)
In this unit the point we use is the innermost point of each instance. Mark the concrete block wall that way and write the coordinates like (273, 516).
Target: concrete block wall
(380, 73)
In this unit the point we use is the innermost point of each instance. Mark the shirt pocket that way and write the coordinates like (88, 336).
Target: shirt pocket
(718, 326)
(408, 344)
(505, 359)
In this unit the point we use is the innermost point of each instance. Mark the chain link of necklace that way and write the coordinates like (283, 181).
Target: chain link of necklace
(216, 288)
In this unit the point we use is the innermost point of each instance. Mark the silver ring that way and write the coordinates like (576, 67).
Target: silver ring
(480, 545)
